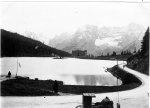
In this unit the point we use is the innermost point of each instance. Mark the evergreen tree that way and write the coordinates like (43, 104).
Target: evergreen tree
(134, 51)
(107, 54)
(139, 51)
(145, 42)
(122, 53)
(114, 53)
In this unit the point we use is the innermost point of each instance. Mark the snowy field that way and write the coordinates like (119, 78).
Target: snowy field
(136, 98)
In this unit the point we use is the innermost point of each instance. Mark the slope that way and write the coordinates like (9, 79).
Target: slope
(16, 45)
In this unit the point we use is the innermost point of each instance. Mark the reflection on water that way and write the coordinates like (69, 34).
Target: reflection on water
(105, 80)
(70, 71)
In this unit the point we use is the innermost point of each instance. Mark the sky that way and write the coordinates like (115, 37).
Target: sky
(49, 19)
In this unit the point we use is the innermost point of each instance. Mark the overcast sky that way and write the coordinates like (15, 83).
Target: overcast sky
(54, 18)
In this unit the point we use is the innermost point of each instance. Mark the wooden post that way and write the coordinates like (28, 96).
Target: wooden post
(17, 68)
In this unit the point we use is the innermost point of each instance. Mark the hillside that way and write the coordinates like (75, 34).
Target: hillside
(16, 45)
(101, 40)
(140, 61)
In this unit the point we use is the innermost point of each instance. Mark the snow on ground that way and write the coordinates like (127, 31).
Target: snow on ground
(135, 98)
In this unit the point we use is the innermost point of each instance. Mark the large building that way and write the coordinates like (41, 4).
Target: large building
(79, 53)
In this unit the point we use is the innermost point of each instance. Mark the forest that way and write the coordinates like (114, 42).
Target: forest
(140, 61)
(16, 45)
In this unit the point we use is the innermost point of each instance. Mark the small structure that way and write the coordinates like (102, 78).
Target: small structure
(79, 53)
(87, 100)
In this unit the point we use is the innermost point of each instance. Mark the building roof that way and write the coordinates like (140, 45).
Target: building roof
(89, 94)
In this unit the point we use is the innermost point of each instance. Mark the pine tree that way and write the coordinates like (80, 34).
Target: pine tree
(122, 53)
(145, 42)
(134, 51)
(114, 53)
(107, 54)
(139, 51)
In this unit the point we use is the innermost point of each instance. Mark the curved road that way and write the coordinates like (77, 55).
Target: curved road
(135, 98)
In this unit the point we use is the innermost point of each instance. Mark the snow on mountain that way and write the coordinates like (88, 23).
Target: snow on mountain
(108, 41)
(101, 40)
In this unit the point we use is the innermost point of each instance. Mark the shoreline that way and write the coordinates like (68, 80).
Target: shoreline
(129, 82)
(30, 87)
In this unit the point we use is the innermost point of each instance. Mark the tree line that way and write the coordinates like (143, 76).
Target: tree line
(140, 61)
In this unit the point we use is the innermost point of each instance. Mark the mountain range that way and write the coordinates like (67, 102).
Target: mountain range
(101, 40)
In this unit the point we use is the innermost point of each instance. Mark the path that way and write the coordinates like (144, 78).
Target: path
(135, 98)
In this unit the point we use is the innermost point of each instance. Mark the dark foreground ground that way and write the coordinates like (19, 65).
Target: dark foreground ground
(27, 87)
(31, 87)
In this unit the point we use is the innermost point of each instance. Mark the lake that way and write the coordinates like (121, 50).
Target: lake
(69, 70)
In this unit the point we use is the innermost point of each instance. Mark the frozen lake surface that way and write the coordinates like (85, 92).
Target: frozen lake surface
(69, 70)
(136, 98)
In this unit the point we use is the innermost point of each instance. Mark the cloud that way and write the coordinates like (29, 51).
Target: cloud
(54, 18)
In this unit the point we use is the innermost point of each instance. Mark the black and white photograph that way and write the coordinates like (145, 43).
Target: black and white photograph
(74, 53)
